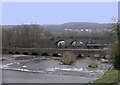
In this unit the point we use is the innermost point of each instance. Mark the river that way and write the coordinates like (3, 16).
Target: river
(40, 69)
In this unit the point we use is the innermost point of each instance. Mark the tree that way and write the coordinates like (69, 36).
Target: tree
(117, 57)
(26, 36)
(116, 27)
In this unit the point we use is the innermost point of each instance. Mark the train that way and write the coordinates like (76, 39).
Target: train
(90, 45)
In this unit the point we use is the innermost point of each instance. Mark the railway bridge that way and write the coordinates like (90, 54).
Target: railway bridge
(62, 44)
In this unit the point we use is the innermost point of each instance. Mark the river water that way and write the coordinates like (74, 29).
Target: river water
(43, 69)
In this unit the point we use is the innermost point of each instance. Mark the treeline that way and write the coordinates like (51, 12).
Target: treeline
(26, 36)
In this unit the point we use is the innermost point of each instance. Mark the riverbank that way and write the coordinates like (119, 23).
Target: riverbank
(110, 77)
(15, 57)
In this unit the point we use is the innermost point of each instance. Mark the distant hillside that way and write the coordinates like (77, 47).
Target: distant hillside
(76, 29)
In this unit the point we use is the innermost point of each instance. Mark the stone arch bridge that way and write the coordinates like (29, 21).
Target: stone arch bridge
(51, 51)
(52, 47)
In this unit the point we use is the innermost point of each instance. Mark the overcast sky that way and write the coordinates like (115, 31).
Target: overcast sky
(58, 12)
(119, 11)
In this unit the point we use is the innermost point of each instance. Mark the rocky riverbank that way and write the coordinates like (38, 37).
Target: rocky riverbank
(15, 57)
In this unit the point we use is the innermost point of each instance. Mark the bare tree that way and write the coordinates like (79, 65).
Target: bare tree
(26, 36)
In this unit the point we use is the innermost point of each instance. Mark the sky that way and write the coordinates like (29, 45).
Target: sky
(57, 12)
(119, 11)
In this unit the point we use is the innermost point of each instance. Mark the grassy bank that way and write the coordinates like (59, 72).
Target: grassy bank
(110, 77)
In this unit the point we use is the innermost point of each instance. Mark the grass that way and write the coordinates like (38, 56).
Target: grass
(110, 77)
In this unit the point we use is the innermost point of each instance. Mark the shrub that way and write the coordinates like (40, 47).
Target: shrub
(68, 58)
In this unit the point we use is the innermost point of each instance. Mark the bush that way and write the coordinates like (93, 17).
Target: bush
(68, 58)
(117, 62)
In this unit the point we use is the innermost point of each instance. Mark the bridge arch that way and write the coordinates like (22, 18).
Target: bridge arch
(79, 56)
(57, 54)
(61, 43)
(76, 43)
(44, 54)
(34, 53)
(17, 53)
(25, 53)
(11, 53)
